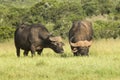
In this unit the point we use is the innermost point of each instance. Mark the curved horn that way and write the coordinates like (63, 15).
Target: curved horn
(87, 43)
(57, 38)
(81, 43)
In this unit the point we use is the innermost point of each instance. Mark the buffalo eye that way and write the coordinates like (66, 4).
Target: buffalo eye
(89, 46)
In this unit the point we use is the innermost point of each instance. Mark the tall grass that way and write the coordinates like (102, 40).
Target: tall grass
(102, 64)
(106, 47)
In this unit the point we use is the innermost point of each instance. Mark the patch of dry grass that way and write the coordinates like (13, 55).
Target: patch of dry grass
(102, 64)
(105, 47)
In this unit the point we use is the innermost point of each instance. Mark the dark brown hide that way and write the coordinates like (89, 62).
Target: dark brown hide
(35, 38)
(80, 37)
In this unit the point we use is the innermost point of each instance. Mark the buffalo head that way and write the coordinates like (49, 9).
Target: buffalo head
(56, 44)
(81, 47)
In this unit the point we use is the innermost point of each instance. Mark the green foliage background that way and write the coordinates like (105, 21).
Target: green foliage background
(58, 15)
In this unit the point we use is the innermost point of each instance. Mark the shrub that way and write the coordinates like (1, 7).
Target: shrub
(109, 29)
(6, 32)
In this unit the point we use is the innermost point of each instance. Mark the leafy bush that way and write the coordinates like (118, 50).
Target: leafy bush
(6, 32)
(60, 14)
(108, 29)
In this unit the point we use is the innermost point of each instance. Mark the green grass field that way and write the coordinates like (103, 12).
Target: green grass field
(102, 64)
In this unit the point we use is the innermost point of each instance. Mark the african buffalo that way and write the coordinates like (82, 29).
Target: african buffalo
(80, 37)
(35, 38)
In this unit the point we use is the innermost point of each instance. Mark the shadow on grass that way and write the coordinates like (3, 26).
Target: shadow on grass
(70, 55)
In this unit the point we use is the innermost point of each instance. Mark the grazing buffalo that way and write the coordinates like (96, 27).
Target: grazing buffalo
(35, 38)
(80, 37)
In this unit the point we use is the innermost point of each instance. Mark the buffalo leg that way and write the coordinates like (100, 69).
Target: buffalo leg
(76, 54)
(25, 53)
(32, 50)
(18, 52)
(39, 51)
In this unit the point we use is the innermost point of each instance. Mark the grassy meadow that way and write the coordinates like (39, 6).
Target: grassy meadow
(103, 63)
